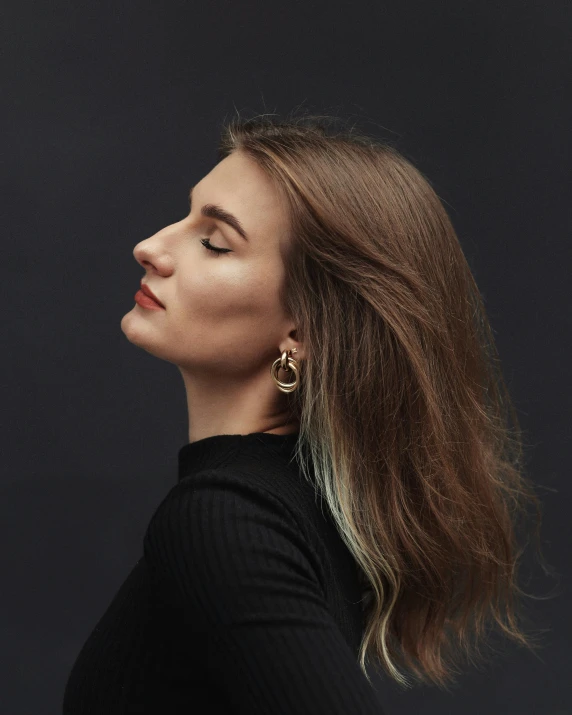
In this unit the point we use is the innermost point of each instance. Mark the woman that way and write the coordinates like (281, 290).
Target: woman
(351, 485)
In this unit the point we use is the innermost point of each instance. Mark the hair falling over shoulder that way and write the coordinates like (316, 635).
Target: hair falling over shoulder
(415, 444)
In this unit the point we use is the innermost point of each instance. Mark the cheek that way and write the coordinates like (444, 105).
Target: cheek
(234, 295)
(219, 294)
(231, 285)
(223, 311)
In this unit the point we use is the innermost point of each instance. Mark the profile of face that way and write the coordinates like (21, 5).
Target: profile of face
(222, 324)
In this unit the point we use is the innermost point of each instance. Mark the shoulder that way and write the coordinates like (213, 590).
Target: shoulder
(223, 492)
(220, 534)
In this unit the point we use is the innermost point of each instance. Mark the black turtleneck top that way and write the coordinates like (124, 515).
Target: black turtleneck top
(245, 599)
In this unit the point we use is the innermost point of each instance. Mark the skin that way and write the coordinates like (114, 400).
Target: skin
(223, 324)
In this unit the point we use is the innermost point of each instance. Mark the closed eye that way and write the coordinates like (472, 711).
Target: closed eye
(207, 244)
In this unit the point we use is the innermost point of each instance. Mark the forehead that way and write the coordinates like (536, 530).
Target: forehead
(241, 187)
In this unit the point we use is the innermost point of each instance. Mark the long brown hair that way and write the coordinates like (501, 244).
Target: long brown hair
(414, 442)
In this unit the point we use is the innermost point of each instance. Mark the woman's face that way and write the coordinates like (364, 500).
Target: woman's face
(222, 319)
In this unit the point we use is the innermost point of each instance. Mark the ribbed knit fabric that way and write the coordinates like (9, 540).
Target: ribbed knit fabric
(245, 599)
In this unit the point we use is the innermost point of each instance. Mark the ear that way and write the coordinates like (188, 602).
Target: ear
(292, 343)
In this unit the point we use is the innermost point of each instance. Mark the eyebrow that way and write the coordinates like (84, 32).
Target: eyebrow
(219, 214)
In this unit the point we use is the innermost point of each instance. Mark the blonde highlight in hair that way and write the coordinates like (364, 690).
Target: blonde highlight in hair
(402, 406)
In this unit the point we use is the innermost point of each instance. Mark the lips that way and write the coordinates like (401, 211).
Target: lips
(148, 292)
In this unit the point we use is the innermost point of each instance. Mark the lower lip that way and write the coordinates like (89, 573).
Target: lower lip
(145, 302)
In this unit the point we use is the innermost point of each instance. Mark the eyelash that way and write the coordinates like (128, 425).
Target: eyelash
(207, 244)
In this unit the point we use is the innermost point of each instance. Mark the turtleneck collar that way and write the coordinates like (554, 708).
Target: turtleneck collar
(216, 450)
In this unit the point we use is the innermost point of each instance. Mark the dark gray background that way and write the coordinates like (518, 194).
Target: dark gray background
(111, 112)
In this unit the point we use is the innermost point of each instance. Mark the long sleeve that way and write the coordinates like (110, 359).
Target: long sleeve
(235, 565)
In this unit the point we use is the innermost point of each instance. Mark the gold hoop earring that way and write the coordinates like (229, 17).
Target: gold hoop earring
(286, 363)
